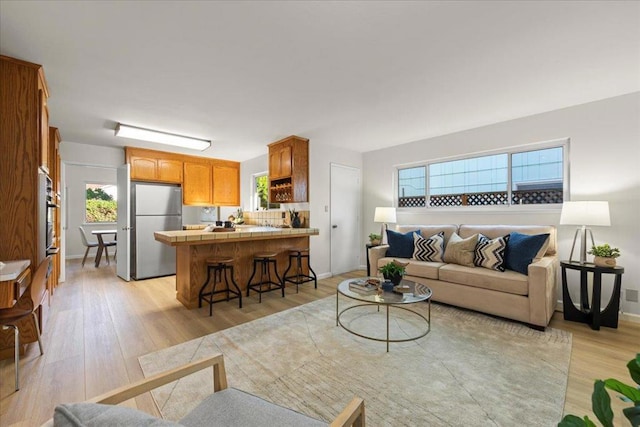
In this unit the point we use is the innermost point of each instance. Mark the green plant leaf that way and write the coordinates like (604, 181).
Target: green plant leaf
(634, 368)
(573, 421)
(633, 415)
(601, 404)
(624, 389)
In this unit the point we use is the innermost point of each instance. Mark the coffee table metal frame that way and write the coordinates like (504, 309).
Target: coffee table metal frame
(388, 300)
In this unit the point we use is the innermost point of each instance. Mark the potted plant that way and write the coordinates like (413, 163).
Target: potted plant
(604, 255)
(393, 271)
(375, 239)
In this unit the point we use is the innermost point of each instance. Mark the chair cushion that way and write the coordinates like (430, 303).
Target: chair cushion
(232, 407)
(96, 414)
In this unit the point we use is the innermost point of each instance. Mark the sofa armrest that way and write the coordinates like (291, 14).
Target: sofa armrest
(542, 290)
(375, 253)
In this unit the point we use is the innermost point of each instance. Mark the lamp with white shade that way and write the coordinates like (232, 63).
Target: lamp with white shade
(384, 215)
(584, 214)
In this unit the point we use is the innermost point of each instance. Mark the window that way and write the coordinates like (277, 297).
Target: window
(261, 192)
(518, 177)
(101, 203)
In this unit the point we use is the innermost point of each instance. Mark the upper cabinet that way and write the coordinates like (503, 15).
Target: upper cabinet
(226, 183)
(289, 170)
(197, 187)
(149, 165)
(205, 181)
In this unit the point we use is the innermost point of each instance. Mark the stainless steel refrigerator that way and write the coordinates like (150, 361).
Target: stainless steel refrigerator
(155, 207)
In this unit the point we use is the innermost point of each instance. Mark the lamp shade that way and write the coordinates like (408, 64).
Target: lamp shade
(385, 215)
(585, 213)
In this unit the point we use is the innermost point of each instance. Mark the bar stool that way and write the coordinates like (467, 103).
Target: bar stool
(264, 260)
(220, 266)
(299, 277)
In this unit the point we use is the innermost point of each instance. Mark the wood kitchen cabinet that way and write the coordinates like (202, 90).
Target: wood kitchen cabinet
(280, 161)
(197, 183)
(289, 170)
(205, 181)
(149, 165)
(226, 183)
(24, 153)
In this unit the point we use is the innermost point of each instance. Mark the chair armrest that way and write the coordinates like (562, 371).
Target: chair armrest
(375, 253)
(542, 290)
(132, 390)
(351, 415)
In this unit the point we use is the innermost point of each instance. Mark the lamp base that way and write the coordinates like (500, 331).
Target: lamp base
(583, 243)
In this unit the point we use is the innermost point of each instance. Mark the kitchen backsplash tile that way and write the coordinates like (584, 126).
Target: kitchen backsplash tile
(274, 218)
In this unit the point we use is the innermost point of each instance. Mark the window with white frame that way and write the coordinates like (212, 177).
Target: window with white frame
(101, 203)
(518, 177)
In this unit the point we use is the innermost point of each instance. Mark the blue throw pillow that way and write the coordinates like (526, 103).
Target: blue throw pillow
(400, 245)
(522, 249)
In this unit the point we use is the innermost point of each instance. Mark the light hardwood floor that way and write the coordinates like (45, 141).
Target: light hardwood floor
(97, 326)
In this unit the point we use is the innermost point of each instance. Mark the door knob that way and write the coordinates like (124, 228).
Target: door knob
(334, 226)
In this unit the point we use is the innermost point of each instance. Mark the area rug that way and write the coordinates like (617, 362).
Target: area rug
(470, 369)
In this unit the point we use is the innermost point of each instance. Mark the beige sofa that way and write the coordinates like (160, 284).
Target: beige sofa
(526, 298)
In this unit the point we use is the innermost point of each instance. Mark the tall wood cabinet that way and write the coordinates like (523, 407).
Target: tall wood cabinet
(289, 170)
(24, 153)
(24, 148)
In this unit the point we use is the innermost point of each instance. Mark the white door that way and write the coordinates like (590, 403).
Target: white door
(346, 244)
(123, 268)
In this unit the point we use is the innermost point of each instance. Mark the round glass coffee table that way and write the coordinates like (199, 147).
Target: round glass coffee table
(416, 293)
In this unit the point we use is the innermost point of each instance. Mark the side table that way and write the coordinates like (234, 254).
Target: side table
(369, 246)
(590, 313)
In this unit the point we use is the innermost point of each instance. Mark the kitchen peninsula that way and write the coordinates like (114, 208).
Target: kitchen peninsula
(193, 247)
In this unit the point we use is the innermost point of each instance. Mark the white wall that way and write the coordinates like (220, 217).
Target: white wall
(76, 178)
(320, 159)
(604, 165)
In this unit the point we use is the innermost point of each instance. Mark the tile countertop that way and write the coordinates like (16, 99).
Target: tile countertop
(12, 269)
(243, 233)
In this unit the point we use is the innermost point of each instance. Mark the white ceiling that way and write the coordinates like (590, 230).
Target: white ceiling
(363, 75)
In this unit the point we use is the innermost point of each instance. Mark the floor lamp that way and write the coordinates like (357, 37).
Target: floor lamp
(584, 214)
(384, 215)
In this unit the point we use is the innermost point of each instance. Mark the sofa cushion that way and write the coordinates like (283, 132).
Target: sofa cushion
(461, 251)
(522, 249)
(232, 407)
(96, 414)
(429, 230)
(431, 249)
(400, 244)
(507, 281)
(490, 253)
(425, 269)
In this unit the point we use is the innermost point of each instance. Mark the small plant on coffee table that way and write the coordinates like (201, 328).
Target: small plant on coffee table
(393, 271)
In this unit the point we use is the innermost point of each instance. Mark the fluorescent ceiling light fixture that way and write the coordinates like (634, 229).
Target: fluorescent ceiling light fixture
(143, 134)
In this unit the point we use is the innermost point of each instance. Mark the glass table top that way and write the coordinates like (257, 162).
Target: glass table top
(416, 292)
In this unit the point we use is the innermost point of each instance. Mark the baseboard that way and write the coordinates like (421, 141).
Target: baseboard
(630, 317)
(627, 317)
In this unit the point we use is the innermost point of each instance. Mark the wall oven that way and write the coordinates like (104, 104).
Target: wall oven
(47, 203)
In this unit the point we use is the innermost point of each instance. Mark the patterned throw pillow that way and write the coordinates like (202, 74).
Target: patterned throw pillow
(431, 249)
(490, 253)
